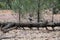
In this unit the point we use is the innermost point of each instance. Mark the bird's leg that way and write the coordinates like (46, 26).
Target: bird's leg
(38, 28)
(53, 28)
(46, 28)
(23, 28)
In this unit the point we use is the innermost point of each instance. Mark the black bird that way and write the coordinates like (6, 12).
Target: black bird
(30, 17)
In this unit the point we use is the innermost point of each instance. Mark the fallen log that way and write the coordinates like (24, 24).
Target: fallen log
(9, 25)
(40, 24)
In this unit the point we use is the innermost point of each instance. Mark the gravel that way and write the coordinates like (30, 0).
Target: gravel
(27, 34)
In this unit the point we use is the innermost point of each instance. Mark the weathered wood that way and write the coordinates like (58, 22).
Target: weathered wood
(8, 26)
(40, 24)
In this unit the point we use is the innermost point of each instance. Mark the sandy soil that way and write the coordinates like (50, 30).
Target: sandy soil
(20, 34)
(27, 34)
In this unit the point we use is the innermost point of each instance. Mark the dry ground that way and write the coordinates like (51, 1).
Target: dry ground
(20, 34)
(27, 34)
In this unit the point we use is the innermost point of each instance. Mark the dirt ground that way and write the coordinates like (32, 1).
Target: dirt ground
(27, 34)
